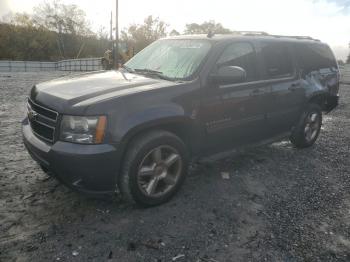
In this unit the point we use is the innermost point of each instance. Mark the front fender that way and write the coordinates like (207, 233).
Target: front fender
(316, 93)
(154, 116)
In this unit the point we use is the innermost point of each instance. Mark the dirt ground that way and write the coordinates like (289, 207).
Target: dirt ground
(279, 203)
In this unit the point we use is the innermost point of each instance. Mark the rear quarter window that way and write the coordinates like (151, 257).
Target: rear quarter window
(314, 57)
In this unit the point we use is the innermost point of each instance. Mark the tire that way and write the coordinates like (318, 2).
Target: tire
(150, 178)
(45, 170)
(308, 128)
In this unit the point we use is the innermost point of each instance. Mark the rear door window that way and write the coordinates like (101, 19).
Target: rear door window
(242, 55)
(277, 60)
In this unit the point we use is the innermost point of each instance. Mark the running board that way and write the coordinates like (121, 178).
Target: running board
(241, 149)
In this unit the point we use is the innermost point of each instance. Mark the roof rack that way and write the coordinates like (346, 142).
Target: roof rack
(296, 37)
(262, 33)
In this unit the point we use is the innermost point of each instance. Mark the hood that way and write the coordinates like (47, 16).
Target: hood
(89, 88)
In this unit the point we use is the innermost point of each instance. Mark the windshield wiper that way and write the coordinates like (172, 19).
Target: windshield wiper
(146, 71)
(128, 69)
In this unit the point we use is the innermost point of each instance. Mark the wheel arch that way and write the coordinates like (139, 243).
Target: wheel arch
(179, 126)
(319, 98)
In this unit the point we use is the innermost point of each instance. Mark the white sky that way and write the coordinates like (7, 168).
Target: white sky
(322, 19)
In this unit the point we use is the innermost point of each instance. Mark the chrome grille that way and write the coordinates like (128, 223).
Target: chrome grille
(42, 120)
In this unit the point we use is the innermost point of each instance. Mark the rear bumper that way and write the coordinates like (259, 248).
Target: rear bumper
(90, 169)
(331, 103)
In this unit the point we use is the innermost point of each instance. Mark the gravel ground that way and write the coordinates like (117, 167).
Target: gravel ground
(279, 203)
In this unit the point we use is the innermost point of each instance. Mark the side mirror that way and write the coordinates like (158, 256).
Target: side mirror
(229, 75)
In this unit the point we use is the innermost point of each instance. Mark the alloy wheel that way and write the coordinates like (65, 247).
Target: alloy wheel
(312, 126)
(159, 171)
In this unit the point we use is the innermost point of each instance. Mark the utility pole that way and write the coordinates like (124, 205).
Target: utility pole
(111, 30)
(116, 52)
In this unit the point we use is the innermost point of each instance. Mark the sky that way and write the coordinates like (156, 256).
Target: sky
(327, 20)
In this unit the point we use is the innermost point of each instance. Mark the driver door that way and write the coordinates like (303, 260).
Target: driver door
(233, 114)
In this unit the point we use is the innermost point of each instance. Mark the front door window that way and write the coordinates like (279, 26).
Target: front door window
(242, 55)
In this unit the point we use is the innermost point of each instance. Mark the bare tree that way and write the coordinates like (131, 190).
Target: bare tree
(59, 17)
(142, 35)
(69, 21)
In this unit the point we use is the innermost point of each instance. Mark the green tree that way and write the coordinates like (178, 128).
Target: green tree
(340, 62)
(22, 19)
(140, 36)
(206, 27)
(174, 33)
(27, 43)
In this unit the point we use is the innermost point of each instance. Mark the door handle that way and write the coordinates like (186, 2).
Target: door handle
(294, 86)
(256, 92)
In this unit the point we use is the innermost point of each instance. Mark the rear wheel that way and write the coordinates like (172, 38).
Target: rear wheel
(308, 128)
(154, 168)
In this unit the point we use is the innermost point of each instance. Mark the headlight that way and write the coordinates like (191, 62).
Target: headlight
(81, 129)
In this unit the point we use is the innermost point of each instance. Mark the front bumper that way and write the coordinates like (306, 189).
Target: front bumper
(90, 169)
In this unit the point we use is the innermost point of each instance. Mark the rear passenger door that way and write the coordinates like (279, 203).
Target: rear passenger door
(287, 93)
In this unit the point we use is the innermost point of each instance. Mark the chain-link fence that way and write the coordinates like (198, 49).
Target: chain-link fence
(83, 64)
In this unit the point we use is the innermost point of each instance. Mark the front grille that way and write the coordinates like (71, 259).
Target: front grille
(43, 121)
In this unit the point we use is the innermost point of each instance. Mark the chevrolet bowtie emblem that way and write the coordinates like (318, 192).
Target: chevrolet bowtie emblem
(32, 114)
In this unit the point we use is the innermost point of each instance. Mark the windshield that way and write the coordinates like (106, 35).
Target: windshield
(172, 58)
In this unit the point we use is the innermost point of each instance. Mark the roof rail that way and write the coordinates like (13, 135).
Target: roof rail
(262, 33)
(296, 37)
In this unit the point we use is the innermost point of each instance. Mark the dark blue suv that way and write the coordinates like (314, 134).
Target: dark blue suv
(188, 96)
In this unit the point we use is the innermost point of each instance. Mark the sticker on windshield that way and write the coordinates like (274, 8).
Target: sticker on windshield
(192, 45)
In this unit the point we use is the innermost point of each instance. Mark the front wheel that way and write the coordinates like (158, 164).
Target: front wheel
(308, 128)
(154, 168)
